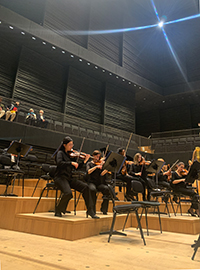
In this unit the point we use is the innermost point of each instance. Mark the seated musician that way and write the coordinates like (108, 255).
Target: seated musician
(125, 177)
(178, 185)
(138, 171)
(164, 176)
(97, 182)
(64, 181)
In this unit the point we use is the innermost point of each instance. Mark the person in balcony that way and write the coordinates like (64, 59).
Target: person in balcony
(31, 117)
(12, 111)
(41, 120)
(2, 108)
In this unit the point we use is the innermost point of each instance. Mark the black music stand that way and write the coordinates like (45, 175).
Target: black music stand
(114, 163)
(20, 150)
(155, 167)
(196, 245)
(193, 173)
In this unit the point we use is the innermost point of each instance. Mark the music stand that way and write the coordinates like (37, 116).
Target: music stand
(20, 150)
(114, 163)
(155, 167)
(193, 173)
(196, 245)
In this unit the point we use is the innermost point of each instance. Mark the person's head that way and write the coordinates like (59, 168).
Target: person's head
(96, 155)
(121, 151)
(17, 103)
(137, 158)
(41, 112)
(31, 110)
(0, 99)
(180, 166)
(67, 144)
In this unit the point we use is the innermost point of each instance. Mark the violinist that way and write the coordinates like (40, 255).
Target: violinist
(164, 176)
(178, 185)
(125, 177)
(64, 181)
(97, 182)
(138, 171)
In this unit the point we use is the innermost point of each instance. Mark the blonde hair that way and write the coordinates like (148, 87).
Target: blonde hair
(136, 158)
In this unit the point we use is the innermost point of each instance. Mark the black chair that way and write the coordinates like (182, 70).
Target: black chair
(10, 174)
(46, 177)
(31, 162)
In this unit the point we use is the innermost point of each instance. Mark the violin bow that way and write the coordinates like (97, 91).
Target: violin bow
(128, 143)
(80, 149)
(174, 164)
(104, 155)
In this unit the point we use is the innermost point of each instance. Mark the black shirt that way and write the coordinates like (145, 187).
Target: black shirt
(95, 176)
(175, 176)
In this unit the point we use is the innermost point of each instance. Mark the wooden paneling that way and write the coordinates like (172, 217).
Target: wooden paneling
(119, 108)
(71, 15)
(9, 55)
(40, 81)
(84, 96)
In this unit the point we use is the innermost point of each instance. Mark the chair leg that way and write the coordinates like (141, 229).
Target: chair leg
(145, 209)
(158, 209)
(140, 227)
(35, 187)
(125, 221)
(172, 206)
(112, 226)
(39, 200)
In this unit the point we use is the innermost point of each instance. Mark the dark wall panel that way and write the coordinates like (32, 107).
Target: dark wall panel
(9, 55)
(40, 81)
(119, 108)
(71, 15)
(31, 9)
(85, 96)
(106, 15)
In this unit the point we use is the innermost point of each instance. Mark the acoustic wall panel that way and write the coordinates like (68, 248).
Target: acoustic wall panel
(85, 96)
(106, 15)
(119, 108)
(71, 15)
(40, 81)
(9, 55)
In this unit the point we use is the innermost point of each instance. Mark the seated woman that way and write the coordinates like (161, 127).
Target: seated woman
(64, 181)
(31, 117)
(97, 182)
(178, 185)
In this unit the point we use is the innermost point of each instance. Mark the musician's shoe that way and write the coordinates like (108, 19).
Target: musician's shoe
(175, 199)
(58, 214)
(92, 214)
(104, 212)
(190, 211)
(197, 212)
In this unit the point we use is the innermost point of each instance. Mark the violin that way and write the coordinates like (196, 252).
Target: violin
(184, 172)
(144, 162)
(75, 154)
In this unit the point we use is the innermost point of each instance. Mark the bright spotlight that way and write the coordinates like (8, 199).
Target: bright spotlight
(161, 24)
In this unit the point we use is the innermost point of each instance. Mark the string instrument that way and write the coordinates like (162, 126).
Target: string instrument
(74, 154)
(124, 168)
(144, 162)
(169, 172)
(184, 172)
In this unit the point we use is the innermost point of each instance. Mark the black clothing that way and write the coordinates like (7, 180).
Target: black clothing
(64, 181)
(182, 188)
(40, 122)
(97, 183)
(134, 168)
(163, 181)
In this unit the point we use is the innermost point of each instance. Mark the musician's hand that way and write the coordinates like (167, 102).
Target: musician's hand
(139, 174)
(75, 164)
(87, 156)
(99, 167)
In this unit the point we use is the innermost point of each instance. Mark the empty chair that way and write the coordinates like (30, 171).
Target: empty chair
(83, 132)
(75, 130)
(97, 135)
(90, 134)
(59, 126)
(67, 128)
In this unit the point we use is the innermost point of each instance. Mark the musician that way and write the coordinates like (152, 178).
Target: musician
(164, 176)
(178, 185)
(96, 180)
(138, 171)
(125, 177)
(63, 179)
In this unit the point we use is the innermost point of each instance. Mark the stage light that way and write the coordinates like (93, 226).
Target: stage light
(140, 87)
(53, 47)
(88, 64)
(117, 77)
(0, 22)
(22, 33)
(96, 67)
(135, 85)
(80, 59)
(11, 27)
(123, 80)
(72, 55)
(129, 82)
(161, 23)
(44, 43)
(110, 74)
(63, 51)
(163, 101)
(103, 70)
(33, 38)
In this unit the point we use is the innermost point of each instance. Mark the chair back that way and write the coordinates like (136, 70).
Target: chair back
(137, 186)
(5, 160)
(52, 170)
(31, 158)
(46, 167)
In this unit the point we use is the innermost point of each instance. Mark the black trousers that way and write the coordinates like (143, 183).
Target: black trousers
(65, 186)
(127, 179)
(105, 191)
(189, 192)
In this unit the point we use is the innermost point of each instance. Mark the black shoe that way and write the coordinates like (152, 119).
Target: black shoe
(58, 214)
(197, 213)
(92, 214)
(191, 212)
(175, 199)
(104, 212)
